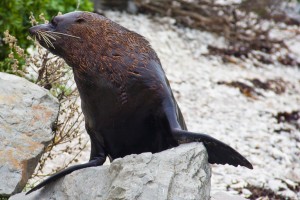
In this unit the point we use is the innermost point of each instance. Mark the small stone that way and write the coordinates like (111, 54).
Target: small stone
(276, 185)
(226, 196)
(294, 174)
(246, 192)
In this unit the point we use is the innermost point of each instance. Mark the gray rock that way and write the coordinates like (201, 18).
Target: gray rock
(177, 174)
(27, 113)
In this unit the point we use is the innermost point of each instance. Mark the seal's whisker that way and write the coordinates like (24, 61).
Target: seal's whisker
(41, 37)
(50, 36)
(47, 41)
(58, 33)
(38, 33)
(50, 43)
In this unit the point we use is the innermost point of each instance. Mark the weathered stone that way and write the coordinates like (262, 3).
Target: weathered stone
(179, 173)
(27, 113)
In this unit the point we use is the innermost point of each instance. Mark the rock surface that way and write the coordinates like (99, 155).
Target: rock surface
(177, 174)
(27, 113)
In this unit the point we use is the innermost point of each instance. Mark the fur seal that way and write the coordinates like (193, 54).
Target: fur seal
(127, 101)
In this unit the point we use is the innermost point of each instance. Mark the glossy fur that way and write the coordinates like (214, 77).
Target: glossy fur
(126, 98)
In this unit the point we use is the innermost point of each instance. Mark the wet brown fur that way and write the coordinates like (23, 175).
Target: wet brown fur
(106, 53)
(126, 98)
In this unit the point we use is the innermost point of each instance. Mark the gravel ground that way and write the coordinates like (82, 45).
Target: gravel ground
(247, 124)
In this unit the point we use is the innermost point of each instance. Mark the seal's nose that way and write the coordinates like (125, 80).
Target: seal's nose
(32, 30)
(42, 27)
(36, 28)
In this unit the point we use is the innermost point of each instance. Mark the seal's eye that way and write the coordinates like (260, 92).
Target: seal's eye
(80, 20)
(53, 21)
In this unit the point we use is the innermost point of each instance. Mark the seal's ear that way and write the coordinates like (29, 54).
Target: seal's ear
(80, 20)
(100, 12)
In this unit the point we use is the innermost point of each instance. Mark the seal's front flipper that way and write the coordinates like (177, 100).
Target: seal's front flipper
(218, 152)
(92, 163)
(97, 158)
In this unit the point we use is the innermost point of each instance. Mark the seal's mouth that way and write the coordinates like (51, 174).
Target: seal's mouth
(46, 36)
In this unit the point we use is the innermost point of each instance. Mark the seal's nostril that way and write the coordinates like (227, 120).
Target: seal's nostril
(31, 30)
(34, 29)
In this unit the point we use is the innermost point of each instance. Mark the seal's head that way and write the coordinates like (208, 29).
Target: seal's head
(95, 46)
(65, 34)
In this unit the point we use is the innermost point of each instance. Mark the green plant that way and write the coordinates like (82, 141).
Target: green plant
(52, 73)
(14, 16)
(3, 198)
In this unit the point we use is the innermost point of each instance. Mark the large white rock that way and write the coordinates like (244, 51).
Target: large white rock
(176, 174)
(27, 113)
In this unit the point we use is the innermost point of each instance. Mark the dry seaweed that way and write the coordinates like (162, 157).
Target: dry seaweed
(275, 85)
(242, 25)
(263, 193)
(245, 89)
(278, 86)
